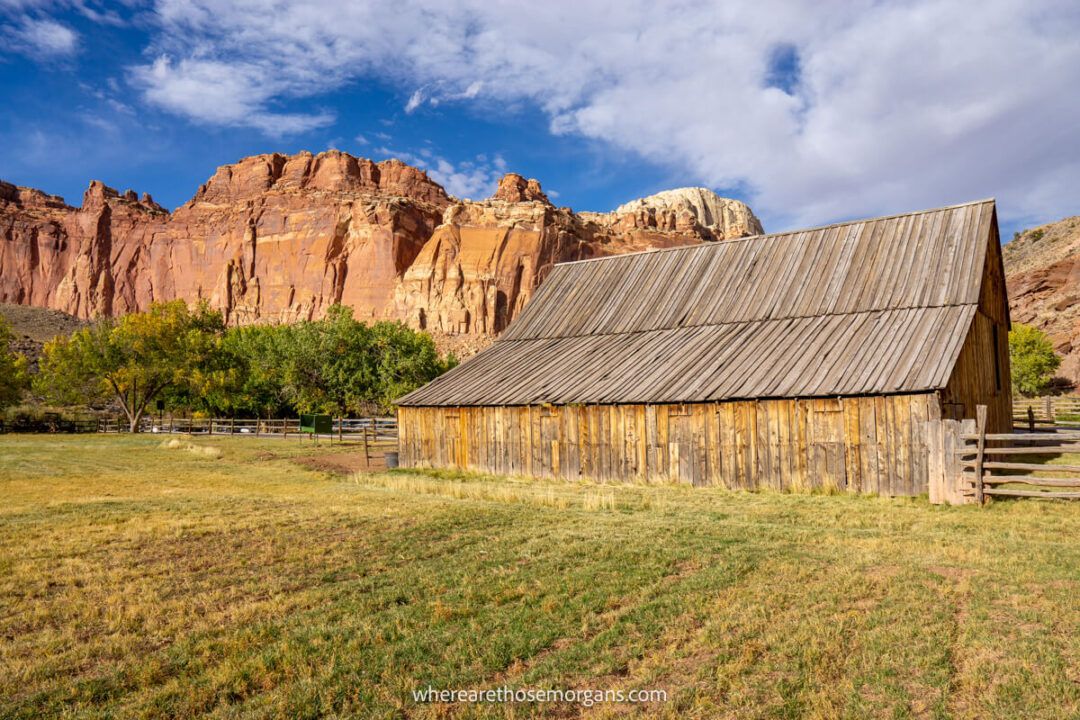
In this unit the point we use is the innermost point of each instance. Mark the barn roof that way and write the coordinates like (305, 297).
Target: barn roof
(866, 307)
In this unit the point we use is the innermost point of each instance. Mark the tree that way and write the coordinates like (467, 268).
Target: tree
(340, 365)
(134, 359)
(252, 379)
(13, 369)
(406, 359)
(1032, 359)
(329, 364)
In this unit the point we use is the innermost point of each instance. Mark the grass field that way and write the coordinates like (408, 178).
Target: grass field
(137, 581)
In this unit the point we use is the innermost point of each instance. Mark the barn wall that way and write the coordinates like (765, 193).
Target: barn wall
(981, 375)
(868, 444)
(975, 380)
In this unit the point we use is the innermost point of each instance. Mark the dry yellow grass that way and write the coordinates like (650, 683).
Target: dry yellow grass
(138, 581)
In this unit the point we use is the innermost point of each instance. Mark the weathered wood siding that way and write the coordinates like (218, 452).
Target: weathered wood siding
(859, 444)
(982, 374)
(975, 379)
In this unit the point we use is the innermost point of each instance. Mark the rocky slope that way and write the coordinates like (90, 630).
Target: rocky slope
(1042, 267)
(32, 327)
(277, 238)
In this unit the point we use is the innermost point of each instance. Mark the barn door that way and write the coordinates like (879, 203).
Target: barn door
(828, 467)
(550, 456)
(681, 444)
(455, 455)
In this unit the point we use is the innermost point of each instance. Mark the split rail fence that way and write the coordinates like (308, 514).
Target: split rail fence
(1032, 413)
(371, 429)
(969, 465)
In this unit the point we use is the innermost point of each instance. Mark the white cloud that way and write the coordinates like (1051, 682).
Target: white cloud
(898, 105)
(224, 93)
(473, 90)
(43, 39)
(415, 101)
(473, 179)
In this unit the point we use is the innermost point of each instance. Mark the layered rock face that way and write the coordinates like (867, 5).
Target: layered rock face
(1042, 268)
(484, 261)
(274, 238)
(697, 211)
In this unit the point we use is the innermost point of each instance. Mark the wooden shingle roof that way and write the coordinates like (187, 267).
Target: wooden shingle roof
(867, 307)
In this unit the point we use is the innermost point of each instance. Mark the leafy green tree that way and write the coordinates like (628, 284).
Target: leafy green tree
(1032, 359)
(134, 359)
(242, 377)
(329, 364)
(14, 378)
(342, 366)
(250, 378)
(405, 359)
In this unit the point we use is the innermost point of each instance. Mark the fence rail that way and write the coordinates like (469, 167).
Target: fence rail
(370, 429)
(1047, 410)
(376, 428)
(982, 475)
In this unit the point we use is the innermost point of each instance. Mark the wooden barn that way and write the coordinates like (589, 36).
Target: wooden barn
(797, 360)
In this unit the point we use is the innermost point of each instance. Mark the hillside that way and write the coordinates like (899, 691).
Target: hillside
(33, 327)
(1042, 266)
(275, 238)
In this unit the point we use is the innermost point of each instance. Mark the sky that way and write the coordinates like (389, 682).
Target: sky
(811, 112)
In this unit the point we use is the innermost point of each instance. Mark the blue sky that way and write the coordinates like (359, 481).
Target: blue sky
(810, 112)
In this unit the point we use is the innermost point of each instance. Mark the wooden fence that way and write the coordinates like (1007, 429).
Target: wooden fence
(1032, 413)
(969, 465)
(373, 429)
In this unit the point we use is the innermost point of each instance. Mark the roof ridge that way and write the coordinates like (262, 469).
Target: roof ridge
(781, 234)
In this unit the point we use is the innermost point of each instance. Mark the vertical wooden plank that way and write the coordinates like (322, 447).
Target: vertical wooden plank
(673, 459)
(640, 443)
(820, 477)
(663, 448)
(881, 425)
(934, 461)
(980, 423)
(803, 446)
(711, 447)
(776, 451)
(852, 443)
(919, 451)
(725, 423)
(652, 446)
(787, 443)
(744, 473)
(701, 460)
(902, 437)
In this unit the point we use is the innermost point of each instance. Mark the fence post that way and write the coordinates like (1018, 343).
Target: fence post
(1049, 408)
(367, 457)
(1031, 419)
(980, 421)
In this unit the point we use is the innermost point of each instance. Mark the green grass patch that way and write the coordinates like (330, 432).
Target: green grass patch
(142, 581)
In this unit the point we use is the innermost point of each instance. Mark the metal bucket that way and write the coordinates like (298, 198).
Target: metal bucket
(391, 460)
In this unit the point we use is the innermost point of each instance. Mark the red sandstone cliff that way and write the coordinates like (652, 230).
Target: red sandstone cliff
(276, 238)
